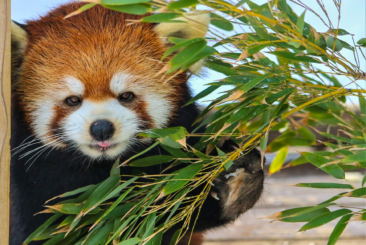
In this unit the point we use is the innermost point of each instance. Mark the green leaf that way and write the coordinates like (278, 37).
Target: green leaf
(362, 102)
(274, 97)
(177, 133)
(338, 229)
(146, 150)
(202, 94)
(181, 4)
(246, 87)
(187, 54)
(226, 70)
(318, 161)
(357, 193)
(177, 153)
(306, 134)
(71, 208)
(325, 218)
(326, 185)
(118, 201)
(115, 169)
(229, 163)
(306, 217)
(221, 22)
(168, 141)
(161, 17)
(295, 57)
(300, 23)
(42, 228)
(205, 52)
(360, 156)
(121, 2)
(138, 9)
(278, 161)
(55, 239)
(99, 193)
(339, 32)
(240, 114)
(182, 178)
(122, 228)
(331, 41)
(99, 235)
(151, 160)
(348, 140)
(74, 192)
(131, 241)
(364, 180)
(81, 9)
(362, 42)
(180, 45)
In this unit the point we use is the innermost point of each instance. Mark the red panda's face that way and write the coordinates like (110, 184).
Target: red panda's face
(91, 82)
(65, 115)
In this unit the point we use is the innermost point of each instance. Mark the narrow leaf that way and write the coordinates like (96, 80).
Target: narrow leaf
(278, 161)
(151, 160)
(182, 178)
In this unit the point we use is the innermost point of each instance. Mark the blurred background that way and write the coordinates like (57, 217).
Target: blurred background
(280, 193)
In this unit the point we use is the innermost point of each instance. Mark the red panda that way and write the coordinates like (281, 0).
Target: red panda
(83, 89)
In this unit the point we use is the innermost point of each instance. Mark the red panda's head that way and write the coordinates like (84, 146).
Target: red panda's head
(90, 82)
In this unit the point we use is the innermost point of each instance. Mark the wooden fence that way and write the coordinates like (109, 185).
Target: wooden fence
(4, 119)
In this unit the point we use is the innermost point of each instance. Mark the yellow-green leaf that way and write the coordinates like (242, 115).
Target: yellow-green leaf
(279, 160)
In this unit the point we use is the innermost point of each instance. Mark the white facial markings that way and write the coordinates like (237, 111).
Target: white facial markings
(119, 82)
(159, 108)
(125, 121)
(74, 85)
(42, 118)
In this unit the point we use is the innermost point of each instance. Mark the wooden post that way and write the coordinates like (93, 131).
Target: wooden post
(5, 53)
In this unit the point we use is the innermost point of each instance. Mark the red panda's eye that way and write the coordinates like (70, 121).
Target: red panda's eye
(73, 101)
(126, 97)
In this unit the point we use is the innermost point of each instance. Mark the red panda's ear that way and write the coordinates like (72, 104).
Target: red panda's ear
(194, 25)
(19, 38)
(19, 41)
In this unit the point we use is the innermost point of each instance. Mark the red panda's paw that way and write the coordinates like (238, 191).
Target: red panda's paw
(240, 187)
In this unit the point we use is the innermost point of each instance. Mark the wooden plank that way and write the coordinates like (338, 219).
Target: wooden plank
(289, 242)
(4, 119)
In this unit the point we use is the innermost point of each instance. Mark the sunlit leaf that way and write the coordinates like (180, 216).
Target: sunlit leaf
(278, 161)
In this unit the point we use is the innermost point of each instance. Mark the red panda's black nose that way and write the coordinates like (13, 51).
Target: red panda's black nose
(102, 130)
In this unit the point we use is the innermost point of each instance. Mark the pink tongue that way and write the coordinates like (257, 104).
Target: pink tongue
(104, 144)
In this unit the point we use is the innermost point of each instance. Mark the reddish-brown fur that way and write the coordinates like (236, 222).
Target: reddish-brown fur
(92, 47)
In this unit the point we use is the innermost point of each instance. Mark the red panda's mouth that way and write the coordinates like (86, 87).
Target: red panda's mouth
(102, 147)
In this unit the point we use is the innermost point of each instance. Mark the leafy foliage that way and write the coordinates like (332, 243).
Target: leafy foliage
(281, 72)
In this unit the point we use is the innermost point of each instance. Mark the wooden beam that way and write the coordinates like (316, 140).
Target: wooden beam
(5, 111)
